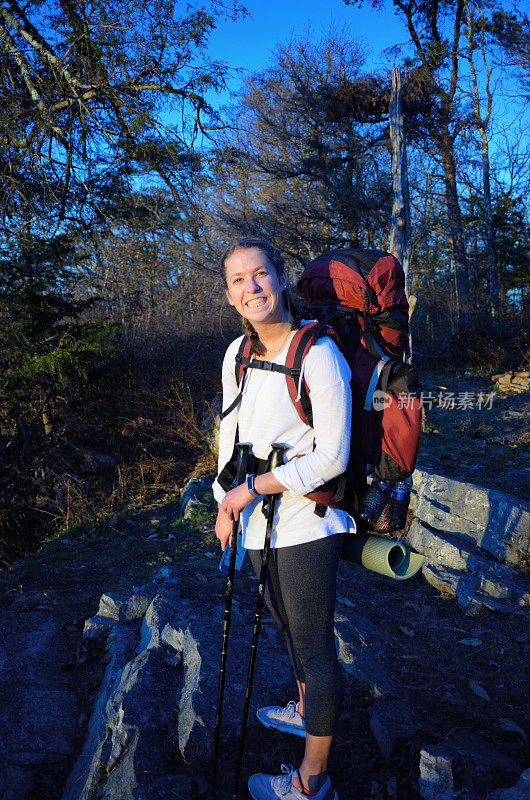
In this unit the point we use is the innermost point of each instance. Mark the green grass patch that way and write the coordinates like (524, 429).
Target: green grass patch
(199, 517)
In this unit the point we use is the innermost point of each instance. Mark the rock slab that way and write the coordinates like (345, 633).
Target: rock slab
(122, 607)
(475, 578)
(469, 590)
(466, 763)
(495, 522)
(193, 495)
(156, 706)
(149, 705)
(360, 644)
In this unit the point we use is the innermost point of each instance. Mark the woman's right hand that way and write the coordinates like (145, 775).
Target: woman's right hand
(223, 527)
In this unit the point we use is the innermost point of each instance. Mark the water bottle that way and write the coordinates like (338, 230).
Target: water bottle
(399, 504)
(385, 504)
(373, 508)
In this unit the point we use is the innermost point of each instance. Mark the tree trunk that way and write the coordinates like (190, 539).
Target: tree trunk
(502, 297)
(454, 218)
(47, 421)
(482, 120)
(400, 234)
(491, 243)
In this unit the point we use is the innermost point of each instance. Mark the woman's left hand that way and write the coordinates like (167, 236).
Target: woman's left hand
(235, 500)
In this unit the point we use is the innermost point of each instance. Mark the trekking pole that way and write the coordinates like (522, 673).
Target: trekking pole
(276, 459)
(243, 457)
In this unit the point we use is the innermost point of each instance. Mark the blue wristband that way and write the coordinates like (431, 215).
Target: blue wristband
(250, 486)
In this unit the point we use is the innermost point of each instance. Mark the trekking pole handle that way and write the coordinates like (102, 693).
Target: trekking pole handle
(276, 457)
(275, 460)
(243, 458)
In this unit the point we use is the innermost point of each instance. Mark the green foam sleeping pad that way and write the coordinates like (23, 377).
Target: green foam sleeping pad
(380, 555)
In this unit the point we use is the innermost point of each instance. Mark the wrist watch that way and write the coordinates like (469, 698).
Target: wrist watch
(250, 486)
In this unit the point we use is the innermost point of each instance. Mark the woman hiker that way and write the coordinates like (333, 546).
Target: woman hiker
(305, 547)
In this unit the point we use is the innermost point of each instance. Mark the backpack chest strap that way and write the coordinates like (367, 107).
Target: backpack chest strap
(245, 361)
(267, 366)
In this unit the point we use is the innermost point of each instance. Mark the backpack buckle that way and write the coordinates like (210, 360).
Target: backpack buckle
(295, 373)
(267, 366)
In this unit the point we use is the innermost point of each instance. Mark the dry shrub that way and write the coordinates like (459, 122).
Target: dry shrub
(486, 351)
(169, 382)
(480, 348)
(139, 437)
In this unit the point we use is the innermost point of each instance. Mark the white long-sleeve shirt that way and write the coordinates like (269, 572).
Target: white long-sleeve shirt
(266, 414)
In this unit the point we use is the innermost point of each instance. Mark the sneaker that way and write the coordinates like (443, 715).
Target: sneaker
(286, 719)
(286, 786)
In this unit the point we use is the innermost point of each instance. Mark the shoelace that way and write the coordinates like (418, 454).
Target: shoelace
(291, 709)
(282, 783)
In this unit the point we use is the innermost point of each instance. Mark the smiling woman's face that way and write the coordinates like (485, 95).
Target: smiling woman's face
(254, 287)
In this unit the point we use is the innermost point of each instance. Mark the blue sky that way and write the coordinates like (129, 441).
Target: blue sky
(250, 42)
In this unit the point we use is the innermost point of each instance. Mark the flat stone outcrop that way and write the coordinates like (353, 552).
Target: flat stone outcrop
(475, 542)
(193, 495)
(360, 644)
(520, 791)
(122, 607)
(155, 710)
(495, 522)
(455, 568)
(150, 678)
(393, 723)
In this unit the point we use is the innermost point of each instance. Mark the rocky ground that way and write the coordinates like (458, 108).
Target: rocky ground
(461, 675)
(476, 433)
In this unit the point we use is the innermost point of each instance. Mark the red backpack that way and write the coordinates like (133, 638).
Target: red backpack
(357, 297)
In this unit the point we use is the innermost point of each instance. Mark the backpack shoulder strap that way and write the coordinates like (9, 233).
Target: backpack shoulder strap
(241, 364)
(242, 359)
(304, 338)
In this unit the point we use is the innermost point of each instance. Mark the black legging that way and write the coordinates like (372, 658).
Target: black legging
(300, 593)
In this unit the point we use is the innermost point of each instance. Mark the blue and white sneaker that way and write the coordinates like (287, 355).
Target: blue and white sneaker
(283, 718)
(286, 786)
